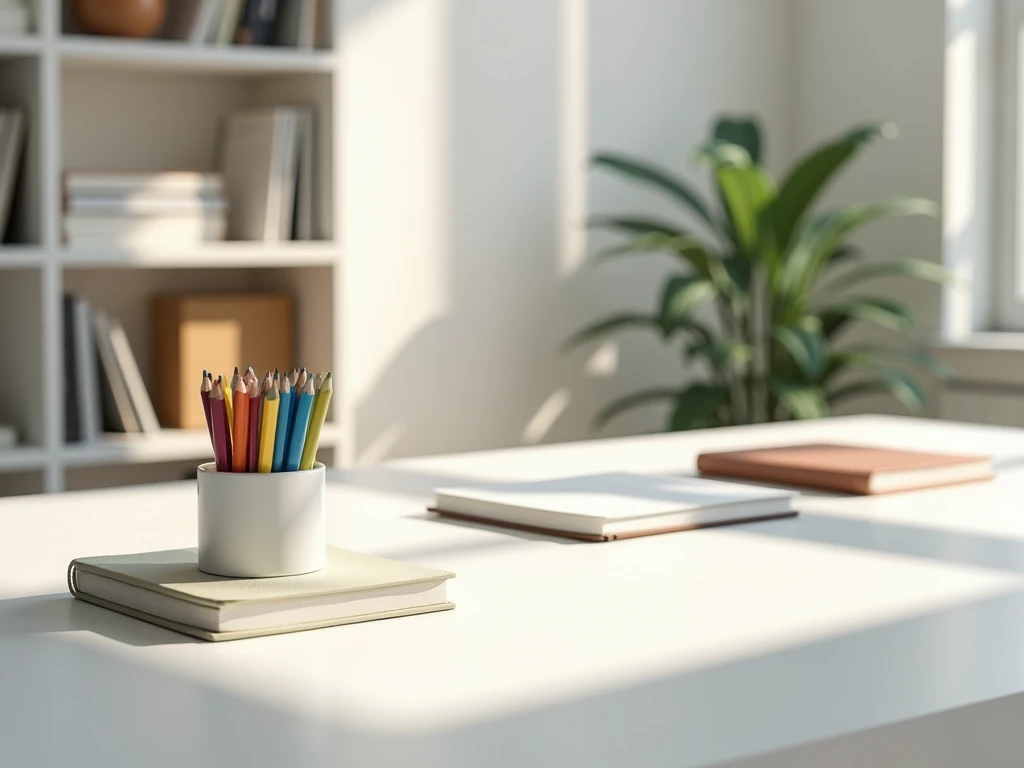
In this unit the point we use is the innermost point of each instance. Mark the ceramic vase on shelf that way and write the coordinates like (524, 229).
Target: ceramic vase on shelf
(120, 18)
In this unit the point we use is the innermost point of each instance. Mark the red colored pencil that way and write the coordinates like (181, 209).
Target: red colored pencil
(252, 461)
(204, 393)
(220, 431)
(239, 425)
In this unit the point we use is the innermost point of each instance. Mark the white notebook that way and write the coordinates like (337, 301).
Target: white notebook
(614, 505)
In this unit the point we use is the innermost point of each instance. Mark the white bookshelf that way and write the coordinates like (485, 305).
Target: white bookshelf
(110, 104)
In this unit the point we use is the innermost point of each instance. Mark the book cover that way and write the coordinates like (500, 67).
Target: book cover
(352, 587)
(12, 137)
(614, 505)
(845, 468)
(71, 418)
(138, 395)
(86, 373)
(118, 414)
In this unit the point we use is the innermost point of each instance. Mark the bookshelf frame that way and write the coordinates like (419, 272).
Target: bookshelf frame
(45, 72)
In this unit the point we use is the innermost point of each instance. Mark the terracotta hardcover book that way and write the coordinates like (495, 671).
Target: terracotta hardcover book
(848, 468)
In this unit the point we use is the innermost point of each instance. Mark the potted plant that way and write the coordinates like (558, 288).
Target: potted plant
(765, 292)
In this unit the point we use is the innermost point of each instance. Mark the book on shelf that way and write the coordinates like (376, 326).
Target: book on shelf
(846, 468)
(137, 209)
(268, 165)
(125, 403)
(617, 505)
(12, 142)
(82, 409)
(298, 24)
(15, 17)
(167, 589)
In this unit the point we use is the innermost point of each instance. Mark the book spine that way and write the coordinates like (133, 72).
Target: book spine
(87, 375)
(118, 415)
(143, 185)
(132, 376)
(719, 466)
(257, 25)
(71, 417)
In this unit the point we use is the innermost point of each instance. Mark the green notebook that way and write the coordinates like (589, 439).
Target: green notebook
(167, 588)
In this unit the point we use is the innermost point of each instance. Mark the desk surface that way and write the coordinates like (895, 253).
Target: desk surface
(686, 649)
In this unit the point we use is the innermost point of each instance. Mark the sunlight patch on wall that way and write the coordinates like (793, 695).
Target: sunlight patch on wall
(546, 416)
(572, 138)
(381, 445)
(604, 362)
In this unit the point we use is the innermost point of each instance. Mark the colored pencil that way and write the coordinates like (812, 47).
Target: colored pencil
(255, 411)
(268, 429)
(321, 400)
(297, 438)
(300, 384)
(249, 376)
(229, 391)
(240, 426)
(204, 394)
(220, 432)
(293, 378)
(284, 413)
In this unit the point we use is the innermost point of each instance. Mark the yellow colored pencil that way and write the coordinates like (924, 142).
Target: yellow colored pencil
(316, 423)
(271, 402)
(228, 384)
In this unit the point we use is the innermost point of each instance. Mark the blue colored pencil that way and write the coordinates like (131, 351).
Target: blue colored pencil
(297, 438)
(284, 422)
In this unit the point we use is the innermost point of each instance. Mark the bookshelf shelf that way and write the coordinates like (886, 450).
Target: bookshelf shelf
(107, 104)
(214, 256)
(22, 458)
(21, 256)
(28, 45)
(167, 445)
(170, 55)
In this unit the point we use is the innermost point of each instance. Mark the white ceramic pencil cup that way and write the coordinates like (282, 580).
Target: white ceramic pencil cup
(254, 524)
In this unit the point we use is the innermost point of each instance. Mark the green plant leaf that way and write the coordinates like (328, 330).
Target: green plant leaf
(637, 225)
(745, 192)
(646, 173)
(873, 355)
(690, 251)
(722, 354)
(682, 295)
(820, 239)
(610, 325)
(798, 399)
(629, 402)
(742, 132)
(807, 348)
(745, 189)
(801, 187)
(697, 406)
(883, 312)
(896, 383)
(917, 269)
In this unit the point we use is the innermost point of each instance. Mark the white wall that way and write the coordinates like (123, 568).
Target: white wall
(879, 60)
(466, 124)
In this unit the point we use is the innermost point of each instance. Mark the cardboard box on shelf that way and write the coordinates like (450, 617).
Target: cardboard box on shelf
(216, 331)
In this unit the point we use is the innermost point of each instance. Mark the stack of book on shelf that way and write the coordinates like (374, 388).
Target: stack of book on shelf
(303, 24)
(268, 165)
(12, 141)
(140, 209)
(103, 387)
(15, 18)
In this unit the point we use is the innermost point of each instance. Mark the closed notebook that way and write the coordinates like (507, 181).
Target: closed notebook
(168, 589)
(616, 505)
(847, 468)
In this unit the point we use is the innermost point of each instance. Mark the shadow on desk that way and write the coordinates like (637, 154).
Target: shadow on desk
(53, 614)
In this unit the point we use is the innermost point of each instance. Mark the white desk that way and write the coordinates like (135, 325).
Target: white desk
(688, 649)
